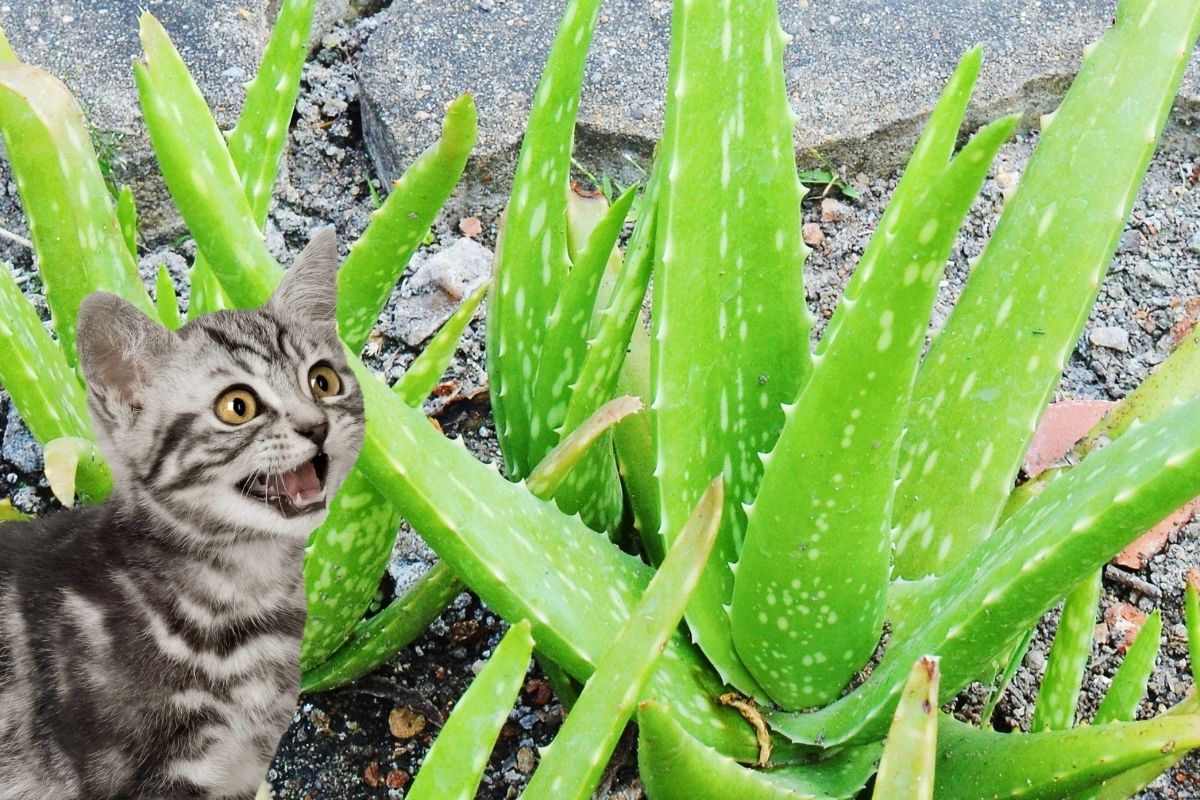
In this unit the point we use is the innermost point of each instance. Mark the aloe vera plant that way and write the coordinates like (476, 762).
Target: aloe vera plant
(865, 482)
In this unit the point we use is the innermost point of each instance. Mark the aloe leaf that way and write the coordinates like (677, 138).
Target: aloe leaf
(198, 170)
(164, 298)
(34, 371)
(454, 765)
(985, 603)
(925, 166)
(547, 476)
(127, 219)
(205, 293)
(976, 764)
(427, 369)
(729, 283)
(571, 767)
(1192, 621)
(375, 262)
(1058, 694)
(515, 550)
(258, 140)
(346, 556)
(633, 441)
(1129, 783)
(532, 258)
(818, 538)
(1010, 669)
(674, 765)
(72, 221)
(375, 640)
(10, 514)
(6, 51)
(74, 465)
(1128, 686)
(1002, 351)
(909, 754)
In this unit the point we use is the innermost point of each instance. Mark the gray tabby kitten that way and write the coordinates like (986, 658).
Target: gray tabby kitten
(149, 646)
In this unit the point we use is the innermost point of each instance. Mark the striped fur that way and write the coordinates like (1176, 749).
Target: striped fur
(149, 646)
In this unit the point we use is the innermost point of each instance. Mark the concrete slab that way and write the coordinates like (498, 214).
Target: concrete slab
(89, 44)
(862, 74)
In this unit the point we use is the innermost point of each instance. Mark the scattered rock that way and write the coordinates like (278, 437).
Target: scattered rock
(526, 760)
(18, 447)
(1131, 242)
(1154, 541)
(834, 210)
(813, 235)
(405, 723)
(1194, 242)
(1111, 337)
(434, 291)
(1123, 621)
(471, 227)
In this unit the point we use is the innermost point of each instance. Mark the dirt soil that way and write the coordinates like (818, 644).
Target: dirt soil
(368, 739)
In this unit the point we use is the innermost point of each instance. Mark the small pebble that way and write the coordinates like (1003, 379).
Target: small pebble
(1110, 337)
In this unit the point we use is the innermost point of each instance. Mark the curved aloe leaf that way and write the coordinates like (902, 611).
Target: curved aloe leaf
(127, 219)
(258, 140)
(818, 539)
(1192, 621)
(198, 169)
(73, 466)
(515, 550)
(974, 764)
(1002, 351)
(1058, 694)
(427, 369)
(375, 640)
(376, 260)
(676, 766)
(454, 764)
(1129, 783)
(1073, 527)
(729, 283)
(547, 476)
(34, 371)
(72, 221)
(571, 766)
(909, 754)
(532, 258)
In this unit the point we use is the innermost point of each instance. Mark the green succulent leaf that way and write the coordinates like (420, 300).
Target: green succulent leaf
(427, 369)
(674, 765)
(127, 219)
(198, 170)
(72, 221)
(73, 466)
(375, 640)
(257, 142)
(34, 371)
(985, 603)
(376, 260)
(975, 764)
(572, 766)
(1059, 691)
(205, 293)
(1003, 349)
(1129, 783)
(818, 540)
(1128, 686)
(1014, 663)
(455, 763)
(633, 439)
(164, 298)
(909, 755)
(1192, 621)
(728, 284)
(516, 550)
(548, 476)
(532, 256)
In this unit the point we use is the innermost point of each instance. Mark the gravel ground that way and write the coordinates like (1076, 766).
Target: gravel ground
(367, 740)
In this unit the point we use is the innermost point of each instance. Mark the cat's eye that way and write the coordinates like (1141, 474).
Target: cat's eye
(323, 381)
(236, 406)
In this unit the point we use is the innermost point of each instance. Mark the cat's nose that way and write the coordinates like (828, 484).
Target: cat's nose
(315, 434)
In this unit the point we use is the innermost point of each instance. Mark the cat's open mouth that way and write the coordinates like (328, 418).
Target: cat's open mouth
(300, 490)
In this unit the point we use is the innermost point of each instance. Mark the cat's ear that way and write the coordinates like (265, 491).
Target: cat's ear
(309, 288)
(119, 346)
